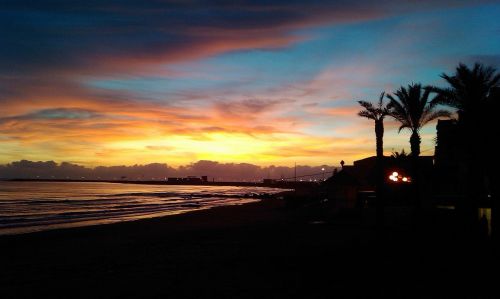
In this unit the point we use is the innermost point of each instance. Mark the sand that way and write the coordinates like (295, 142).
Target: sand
(258, 250)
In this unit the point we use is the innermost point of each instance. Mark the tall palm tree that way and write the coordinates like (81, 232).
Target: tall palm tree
(377, 113)
(474, 93)
(413, 109)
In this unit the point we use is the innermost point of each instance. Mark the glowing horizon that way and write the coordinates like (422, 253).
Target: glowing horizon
(134, 82)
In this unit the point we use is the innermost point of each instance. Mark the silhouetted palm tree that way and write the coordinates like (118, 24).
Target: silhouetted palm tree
(469, 89)
(473, 92)
(413, 109)
(377, 113)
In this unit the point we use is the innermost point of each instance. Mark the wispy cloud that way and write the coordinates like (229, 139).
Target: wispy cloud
(58, 61)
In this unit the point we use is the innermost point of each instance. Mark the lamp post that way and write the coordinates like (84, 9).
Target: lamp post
(323, 171)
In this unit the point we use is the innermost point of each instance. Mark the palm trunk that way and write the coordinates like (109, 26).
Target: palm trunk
(415, 144)
(379, 134)
(380, 203)
(415, 153)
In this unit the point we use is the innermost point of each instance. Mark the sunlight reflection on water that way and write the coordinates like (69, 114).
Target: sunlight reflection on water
(34, 206)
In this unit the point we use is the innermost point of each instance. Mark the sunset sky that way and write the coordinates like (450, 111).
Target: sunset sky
(265, 82)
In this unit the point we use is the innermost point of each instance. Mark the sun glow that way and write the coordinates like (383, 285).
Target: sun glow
(259, 149)
(182, 149)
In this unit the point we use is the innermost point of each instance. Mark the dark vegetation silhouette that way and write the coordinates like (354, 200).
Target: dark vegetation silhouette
(412, 107)
(473, 92)
(376, 112)
(469, 91)
(399, 156)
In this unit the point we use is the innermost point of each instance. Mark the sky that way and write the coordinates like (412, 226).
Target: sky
(263, 82)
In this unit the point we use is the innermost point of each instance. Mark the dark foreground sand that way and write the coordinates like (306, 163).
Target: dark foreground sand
(260, 250)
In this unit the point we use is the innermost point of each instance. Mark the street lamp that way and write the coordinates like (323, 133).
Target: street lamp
(323, 171)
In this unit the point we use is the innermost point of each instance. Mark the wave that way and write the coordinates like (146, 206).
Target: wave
(54, 208)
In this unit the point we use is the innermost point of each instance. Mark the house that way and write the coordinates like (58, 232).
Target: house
(398, 175)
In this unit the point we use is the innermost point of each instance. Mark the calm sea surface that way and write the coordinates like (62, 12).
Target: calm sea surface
(35, 206)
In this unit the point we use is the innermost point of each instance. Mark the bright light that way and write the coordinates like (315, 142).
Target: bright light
(393, 178)
(322, 169)
(397, 177)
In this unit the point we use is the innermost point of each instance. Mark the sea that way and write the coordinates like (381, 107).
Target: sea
(36, 206)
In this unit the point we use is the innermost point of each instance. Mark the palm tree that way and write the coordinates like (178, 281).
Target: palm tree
(469, 90)
(413, 109)
(377, 113)
(474, 93)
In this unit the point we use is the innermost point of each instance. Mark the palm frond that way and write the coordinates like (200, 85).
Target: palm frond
(366, 114)
(366, 105)
(371, 111)
(403, 126)
(468, 87)
(381, 101)
(435, 115)
(411, 106)
(444, 96)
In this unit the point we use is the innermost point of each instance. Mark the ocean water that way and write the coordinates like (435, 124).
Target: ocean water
(35, 206)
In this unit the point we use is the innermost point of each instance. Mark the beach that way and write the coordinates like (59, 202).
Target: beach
(257, 250)
(44, 205)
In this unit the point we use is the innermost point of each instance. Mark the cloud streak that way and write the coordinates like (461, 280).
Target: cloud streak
(110, 37)
(60, 63)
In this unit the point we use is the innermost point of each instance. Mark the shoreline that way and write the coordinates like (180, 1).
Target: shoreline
(266, 249)
(183, 201)
(178, 220)
(276, 184)
(179, 215)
